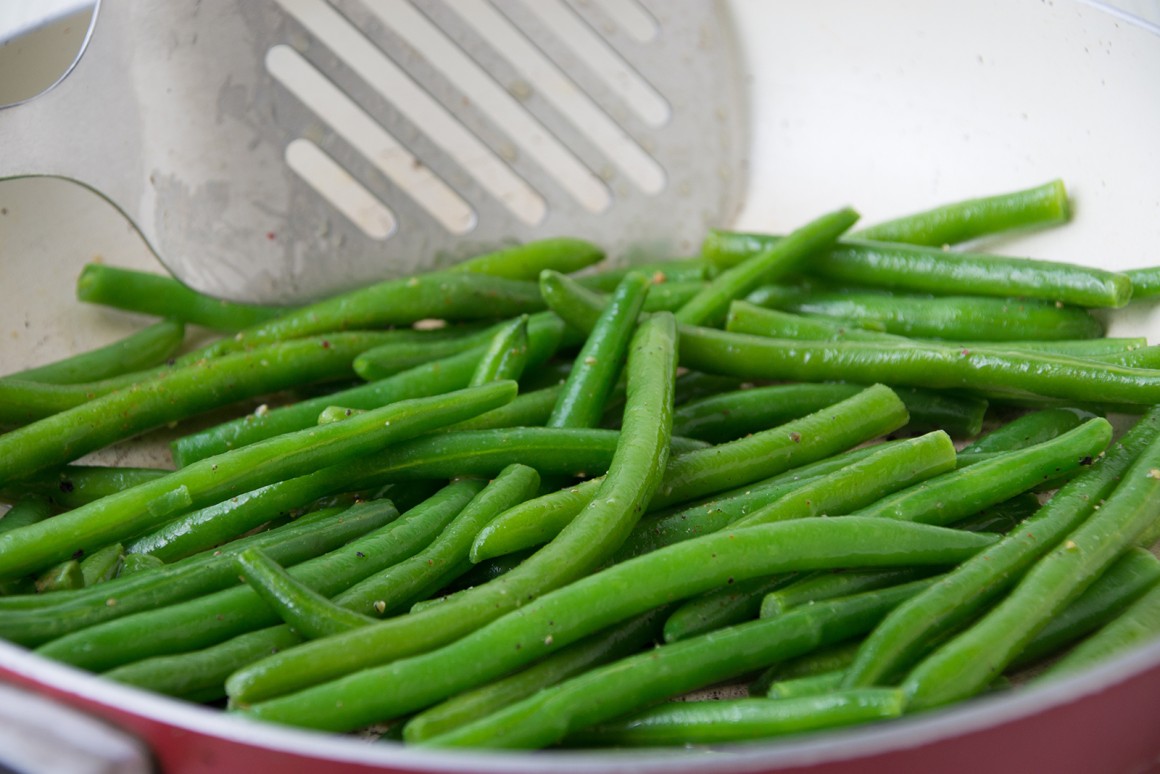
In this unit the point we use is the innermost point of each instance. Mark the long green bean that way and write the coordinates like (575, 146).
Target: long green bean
(147, 347)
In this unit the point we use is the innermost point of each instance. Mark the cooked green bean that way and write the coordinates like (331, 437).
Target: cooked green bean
(163, 296)
(784, 257)
(742, 720)
(101, 565)
(600, 360)
(968, 662)
(600, 648)
(136, 563)
(870, 413)
(638, 681)
(1145, 282)
(33, 621)
(830, 585)
(66, 576)
(633, 476)
(990, 321)
(72, 486)
(962, 221)
(505, 356)
(1026, 430)
(810, 685)
(27, 510)
(658, 272)
(430, 379)
(150, 346)
(526, 261)
(212, 480)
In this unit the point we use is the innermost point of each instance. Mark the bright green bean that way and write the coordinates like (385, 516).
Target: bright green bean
(150, 346)
(526, 261)
(810, 685)
(163, 296)
(968, 662)
(1145, 282)
(1026, 430)
(72, 486)
(505, 356)
(633, 476)
(658, 272)
(830, 585)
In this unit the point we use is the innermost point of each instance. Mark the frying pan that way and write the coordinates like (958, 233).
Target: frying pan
(890, 106)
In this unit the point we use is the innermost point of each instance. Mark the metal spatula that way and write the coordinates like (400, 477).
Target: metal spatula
(276, 150)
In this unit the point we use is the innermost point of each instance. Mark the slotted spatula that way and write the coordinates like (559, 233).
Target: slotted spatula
(277, 150)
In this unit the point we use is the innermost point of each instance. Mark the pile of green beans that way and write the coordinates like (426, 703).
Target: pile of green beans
(535, 498)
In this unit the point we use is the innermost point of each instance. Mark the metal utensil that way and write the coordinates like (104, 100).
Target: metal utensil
(282, 149)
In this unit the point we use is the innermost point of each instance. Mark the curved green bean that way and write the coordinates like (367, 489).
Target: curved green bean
(505, 356)
(145, 348)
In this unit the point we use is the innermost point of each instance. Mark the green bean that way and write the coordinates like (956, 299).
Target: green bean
(600, 360)
(1026, 430)
(962, 221)
(132, 564)
(787, 255)
(430, 379)
(658, 272)
(32, 621)
(437, 295)
(990, 321)
(1132, 575)
(1003, 517)
(72, 486)
(309, 613)
(211, 619)
(746, 317)
(968, 662)
(869, 414)
(66, 576)
(739, 720)
(199, 676)
(894, 645)
(505, 356)
(920, 365)
(842, 491)
(526, 261)
(396, 588)
(27, 510)
(728, 415)
(962, 492)
(810, 685)
(1138, 624)
(1145, 282)
(528, 409)
(635, 682)
(147, 347)
(130, 512)
(180, 393)
(1141, 357)
(830, 585)
(600, 648)
(100, 566)
(827, 660)
(163, 296)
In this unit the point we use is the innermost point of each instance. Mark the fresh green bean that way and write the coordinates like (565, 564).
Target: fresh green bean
(32, 621)
(741, 720)
(1132, 575)
(430, 379)
(132, 512)
(784, 257)
(962, 221)
(990, 321)
(919, 365)
(633, 476)
(840, 426)
(505, 356)
(396, 588)
(147, 347)
(600, 648)
(163, 296)
(600, 360)
(969, 661)
(526, 261)
(638, 681)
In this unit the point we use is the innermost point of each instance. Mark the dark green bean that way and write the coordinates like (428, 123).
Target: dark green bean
(136, 563)
(968, 662)
(72, 486)
(784, 257)
(66, 576)
(830, 585)
(163, 296)
(132, 512)
(27, 510)
(811, 685)
(638, 681)
(600, 360)
(962, 221)
(100, 566)
(633, 476)
(150, 346)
